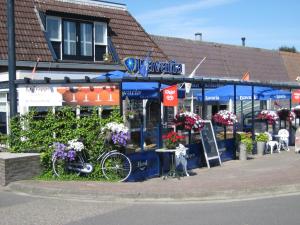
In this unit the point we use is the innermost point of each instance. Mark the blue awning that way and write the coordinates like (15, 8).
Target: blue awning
(140, 90)
(112, 74)
(225, 93)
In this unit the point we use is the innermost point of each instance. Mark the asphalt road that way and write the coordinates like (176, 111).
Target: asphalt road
(19, 209)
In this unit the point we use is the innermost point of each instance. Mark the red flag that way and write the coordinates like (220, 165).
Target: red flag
(170, 97)
(246, 76)
(296, 96)
(36, 65)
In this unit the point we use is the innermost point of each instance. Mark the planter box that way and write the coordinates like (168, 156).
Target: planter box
(260, 148)
(243, 152)
(18, 166)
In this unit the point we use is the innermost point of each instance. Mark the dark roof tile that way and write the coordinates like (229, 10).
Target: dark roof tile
(128, 36)
(224, 60)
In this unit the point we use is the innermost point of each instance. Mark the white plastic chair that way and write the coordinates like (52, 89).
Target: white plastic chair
(283, 136)
(272, 144)
(180, 158)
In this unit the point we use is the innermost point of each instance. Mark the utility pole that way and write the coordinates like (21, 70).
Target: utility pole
(11, 57)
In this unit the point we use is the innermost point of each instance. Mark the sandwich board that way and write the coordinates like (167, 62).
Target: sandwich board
(209, 143)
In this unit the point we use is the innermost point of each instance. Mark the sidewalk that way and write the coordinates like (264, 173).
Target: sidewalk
(277, 174)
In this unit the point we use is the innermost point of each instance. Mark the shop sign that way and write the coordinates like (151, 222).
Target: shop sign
(39, 96)
(90, 95)
(133, 65)
(170, 97)
(105, 94)
(296, 96)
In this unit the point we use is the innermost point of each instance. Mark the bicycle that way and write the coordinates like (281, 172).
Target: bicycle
(114, 165)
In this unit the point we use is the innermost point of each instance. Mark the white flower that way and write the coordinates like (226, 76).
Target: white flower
(115, 127)
(76, 145)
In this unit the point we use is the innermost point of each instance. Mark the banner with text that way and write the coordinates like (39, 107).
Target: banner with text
(170, 97)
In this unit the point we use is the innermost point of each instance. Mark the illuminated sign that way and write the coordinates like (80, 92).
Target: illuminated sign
(155, 67)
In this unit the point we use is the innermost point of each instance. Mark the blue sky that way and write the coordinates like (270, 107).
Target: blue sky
(265, 23)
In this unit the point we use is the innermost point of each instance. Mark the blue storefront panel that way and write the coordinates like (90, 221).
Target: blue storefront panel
(145, 165)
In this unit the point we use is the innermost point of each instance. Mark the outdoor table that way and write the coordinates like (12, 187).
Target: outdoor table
(172, 172)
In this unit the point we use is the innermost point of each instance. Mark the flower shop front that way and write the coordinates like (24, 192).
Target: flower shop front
(145, 112)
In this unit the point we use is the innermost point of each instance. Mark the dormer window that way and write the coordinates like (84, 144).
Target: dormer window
(77, 40)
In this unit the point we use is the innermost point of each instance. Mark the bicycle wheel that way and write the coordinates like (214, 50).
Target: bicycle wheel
(116, 166)
(59, 167)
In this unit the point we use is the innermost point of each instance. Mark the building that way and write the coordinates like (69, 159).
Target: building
(77, 38)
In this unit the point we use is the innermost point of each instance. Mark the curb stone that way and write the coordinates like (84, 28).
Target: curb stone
(226, 195)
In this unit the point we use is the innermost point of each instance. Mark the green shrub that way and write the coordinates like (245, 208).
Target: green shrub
(262, 137)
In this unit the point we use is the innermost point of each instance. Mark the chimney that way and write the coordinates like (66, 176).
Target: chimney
(243, 41)
(198, 36)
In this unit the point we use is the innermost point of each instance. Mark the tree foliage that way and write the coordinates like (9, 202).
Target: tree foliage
(288, 49)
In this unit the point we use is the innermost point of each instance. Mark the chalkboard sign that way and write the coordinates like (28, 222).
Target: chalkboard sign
(209, 143)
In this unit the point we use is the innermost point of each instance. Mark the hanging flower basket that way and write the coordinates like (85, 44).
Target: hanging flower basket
(225, 118)
(188, 121)
(296, 110)
(269, 116)
(286, 114)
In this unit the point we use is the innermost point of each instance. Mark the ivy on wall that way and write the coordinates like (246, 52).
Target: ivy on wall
(30, 133)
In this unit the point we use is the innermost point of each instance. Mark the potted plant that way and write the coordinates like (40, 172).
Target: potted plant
(261, 140)
(107, 57)
(130, 115)
(172, 139)
(245, 145)
(116, 133)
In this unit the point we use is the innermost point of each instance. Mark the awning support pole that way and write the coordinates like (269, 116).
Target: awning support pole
(203, 102)
(234, 125)
(252, 122)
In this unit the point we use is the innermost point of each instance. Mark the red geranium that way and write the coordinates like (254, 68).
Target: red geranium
(172, 139)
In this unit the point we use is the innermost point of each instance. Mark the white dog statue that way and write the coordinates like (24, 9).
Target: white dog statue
(180, 157)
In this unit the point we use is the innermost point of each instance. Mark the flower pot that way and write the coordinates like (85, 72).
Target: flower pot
(260, 146)
(243, 151)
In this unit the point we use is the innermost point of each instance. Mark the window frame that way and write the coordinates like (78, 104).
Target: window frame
(98, 43)
(77, 22)
(78, 55)
(59, 39)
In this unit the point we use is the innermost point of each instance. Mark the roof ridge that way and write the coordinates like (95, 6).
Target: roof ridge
(214, 43)
(98, 3)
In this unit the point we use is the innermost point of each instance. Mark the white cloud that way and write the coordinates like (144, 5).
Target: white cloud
(173, 12)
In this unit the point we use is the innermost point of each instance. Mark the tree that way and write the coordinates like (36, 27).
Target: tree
(288, 49)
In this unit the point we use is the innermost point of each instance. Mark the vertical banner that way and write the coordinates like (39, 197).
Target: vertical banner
(170, 96)
(296, 96)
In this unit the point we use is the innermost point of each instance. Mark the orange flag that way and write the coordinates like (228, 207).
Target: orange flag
(246, 76)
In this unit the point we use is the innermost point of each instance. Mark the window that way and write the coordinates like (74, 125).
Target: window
(70, 38)
(100, 40)
(53, 27)
(74, 39)
(86, 39)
